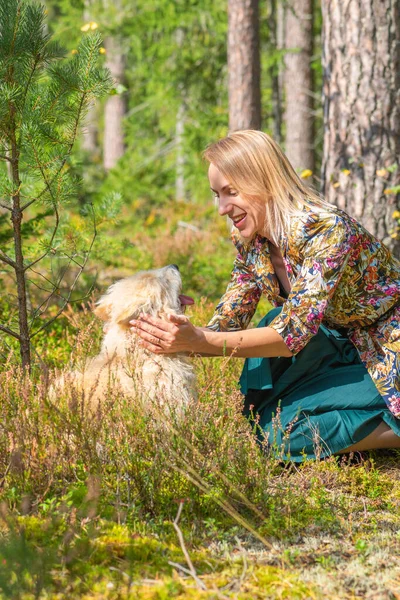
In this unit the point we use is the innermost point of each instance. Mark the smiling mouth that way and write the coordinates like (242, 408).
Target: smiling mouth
(239, 218)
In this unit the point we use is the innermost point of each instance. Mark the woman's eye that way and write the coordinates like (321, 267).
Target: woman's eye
(232, 193)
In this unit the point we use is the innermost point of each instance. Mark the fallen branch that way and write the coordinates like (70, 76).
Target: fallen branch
(192, 570)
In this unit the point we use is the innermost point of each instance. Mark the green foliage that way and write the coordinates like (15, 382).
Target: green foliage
(88, 501)
(43, 98)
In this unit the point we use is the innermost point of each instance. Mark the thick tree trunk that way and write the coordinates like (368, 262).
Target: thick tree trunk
(244, 65)
(115, 107)
(361, 62)
(299, 116)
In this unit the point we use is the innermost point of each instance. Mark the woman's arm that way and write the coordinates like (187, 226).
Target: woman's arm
(179, 335)
(261, 342)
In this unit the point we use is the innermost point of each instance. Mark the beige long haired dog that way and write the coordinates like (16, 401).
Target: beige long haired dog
(167, 380)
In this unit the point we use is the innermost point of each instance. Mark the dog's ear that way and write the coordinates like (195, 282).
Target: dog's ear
(103, 309)
(129, 313)
(148, 297)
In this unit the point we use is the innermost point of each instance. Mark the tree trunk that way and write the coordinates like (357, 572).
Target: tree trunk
(299, 116)
(275, 69)
(180, 187)
(115, 107)
(244, 65)
(16, 219)
(361, 93)
(90, 128)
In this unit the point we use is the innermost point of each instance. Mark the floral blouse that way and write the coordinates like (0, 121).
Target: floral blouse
(340, 275)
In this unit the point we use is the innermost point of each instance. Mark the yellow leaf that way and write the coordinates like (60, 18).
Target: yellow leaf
(336, 184)
(85, 27)
(346, 171)
(388, 191)
(74, 51)
(306, 173)
(393, 235)
(93, 25)
(102, 50)
(396, 214)
(382, 173)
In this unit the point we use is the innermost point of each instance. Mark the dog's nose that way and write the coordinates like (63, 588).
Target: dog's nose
(175, 267)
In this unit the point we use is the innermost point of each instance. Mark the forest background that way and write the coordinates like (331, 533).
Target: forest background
(323, 80)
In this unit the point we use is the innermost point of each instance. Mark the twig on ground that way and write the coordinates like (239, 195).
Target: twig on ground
(244, 557)
(178, 566)
(192, 570)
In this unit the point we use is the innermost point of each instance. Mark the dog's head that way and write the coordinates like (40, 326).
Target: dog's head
(155, 293)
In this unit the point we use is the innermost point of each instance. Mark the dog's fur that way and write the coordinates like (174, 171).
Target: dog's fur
(167, 379)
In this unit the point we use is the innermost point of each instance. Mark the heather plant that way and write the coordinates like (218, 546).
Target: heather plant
(99, 493)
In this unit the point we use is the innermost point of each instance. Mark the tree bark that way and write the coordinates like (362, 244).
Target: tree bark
(244, 65)
(361, 94)
(115, 107)
(299, 115)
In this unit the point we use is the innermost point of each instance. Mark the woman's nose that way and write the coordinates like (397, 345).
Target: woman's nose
(224, 207)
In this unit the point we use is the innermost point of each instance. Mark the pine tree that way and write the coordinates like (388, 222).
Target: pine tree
(360, 169)
(43, 99)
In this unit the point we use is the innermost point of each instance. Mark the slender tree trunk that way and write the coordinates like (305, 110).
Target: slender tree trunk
(275, 73)
(16, 219)
(90, 128)
(115, 107)
(361, 93)
(180, 187)
(244, 65)
(299, 117)
(280, 36)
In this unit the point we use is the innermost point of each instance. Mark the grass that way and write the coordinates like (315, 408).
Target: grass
(113, 505)
(88, 504)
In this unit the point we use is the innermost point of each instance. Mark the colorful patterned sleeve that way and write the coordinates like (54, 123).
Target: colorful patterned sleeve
(326, 249)
(237, 306)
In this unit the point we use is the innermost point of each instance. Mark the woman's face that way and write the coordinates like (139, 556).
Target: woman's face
(248, 217)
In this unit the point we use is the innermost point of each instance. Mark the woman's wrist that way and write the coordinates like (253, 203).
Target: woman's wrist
(199, 344)
(209, 342)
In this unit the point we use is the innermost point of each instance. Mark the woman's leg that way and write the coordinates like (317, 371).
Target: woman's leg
(381, 437)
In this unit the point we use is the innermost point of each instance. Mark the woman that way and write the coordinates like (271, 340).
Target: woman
(326, 359)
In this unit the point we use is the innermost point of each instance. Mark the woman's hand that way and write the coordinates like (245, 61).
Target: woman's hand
(167, 337)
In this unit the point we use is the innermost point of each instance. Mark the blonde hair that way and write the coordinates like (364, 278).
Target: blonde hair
(258, 169)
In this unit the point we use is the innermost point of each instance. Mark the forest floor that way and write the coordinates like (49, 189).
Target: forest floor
(111, 506)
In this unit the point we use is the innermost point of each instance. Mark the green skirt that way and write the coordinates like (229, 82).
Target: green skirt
(316, 403)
